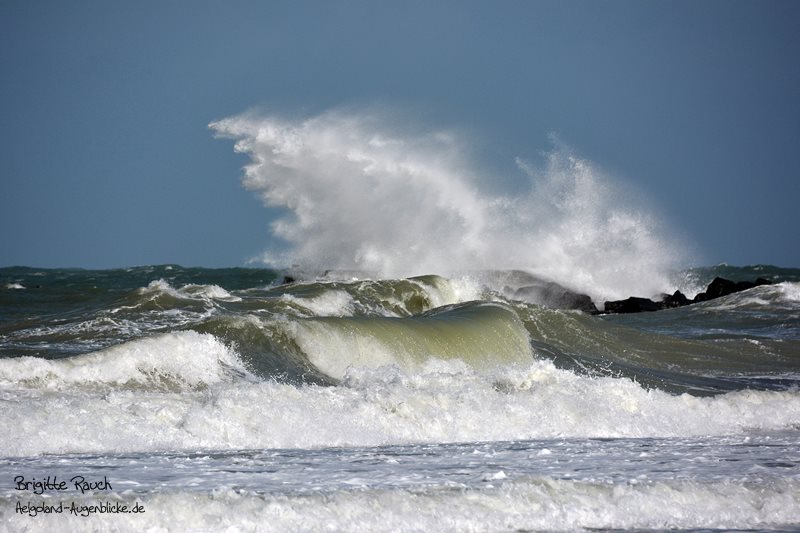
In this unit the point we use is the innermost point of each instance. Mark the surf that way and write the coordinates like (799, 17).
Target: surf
(482, 335)
(360, 193)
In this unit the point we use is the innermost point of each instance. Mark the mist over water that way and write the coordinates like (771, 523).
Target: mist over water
(360, 194)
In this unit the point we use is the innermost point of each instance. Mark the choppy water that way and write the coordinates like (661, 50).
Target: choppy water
(222, 399)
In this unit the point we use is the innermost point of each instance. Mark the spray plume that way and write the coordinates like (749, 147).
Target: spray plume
(359, 195)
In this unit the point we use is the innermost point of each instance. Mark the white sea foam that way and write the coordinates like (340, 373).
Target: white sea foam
(458, 289)
(363, 196)
(15, 286)
(789, 291)
(329, 303)
(211, 292)
(157, 287)
(183, 359)
(535, 503)
(192, 291)
(440, 402)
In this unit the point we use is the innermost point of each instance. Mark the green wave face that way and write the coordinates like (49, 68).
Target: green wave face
(313, 330)
(480, 334)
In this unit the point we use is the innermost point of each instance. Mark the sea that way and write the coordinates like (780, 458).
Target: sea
(165, 398)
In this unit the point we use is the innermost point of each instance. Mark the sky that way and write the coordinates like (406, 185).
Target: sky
(107, 159)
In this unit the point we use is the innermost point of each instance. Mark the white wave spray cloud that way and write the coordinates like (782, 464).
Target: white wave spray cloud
(360, 194)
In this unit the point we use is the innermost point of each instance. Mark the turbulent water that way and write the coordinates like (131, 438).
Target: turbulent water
(360, 190)
(226, 400)
(411, 377)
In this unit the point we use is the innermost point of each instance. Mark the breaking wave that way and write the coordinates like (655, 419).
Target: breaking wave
(359, 194)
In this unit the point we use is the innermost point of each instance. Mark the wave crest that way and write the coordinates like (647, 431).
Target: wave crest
(359, 195)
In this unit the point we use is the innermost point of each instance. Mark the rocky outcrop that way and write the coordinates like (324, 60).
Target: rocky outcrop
(722, 287)
(527, 287)
(631, 305)
(676, 299)
(716, 289)
(553, 295)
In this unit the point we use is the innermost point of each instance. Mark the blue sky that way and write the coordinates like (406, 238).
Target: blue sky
(106, 158)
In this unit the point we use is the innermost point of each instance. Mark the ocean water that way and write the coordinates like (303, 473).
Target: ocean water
(409, 380)
(224, 400)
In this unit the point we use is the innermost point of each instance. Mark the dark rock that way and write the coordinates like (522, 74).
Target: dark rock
(720, 287)
(553, 295)
(678, 299)
(637, 305)
(700, 297)
(631, 305)
(716, 289)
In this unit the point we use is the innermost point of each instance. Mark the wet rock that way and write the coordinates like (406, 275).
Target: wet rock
(720, 287)
(555, 296)
(716, 289)
(631, 305)
(677, 299)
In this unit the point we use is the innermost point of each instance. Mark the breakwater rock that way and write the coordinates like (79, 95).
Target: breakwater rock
(716, 289)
